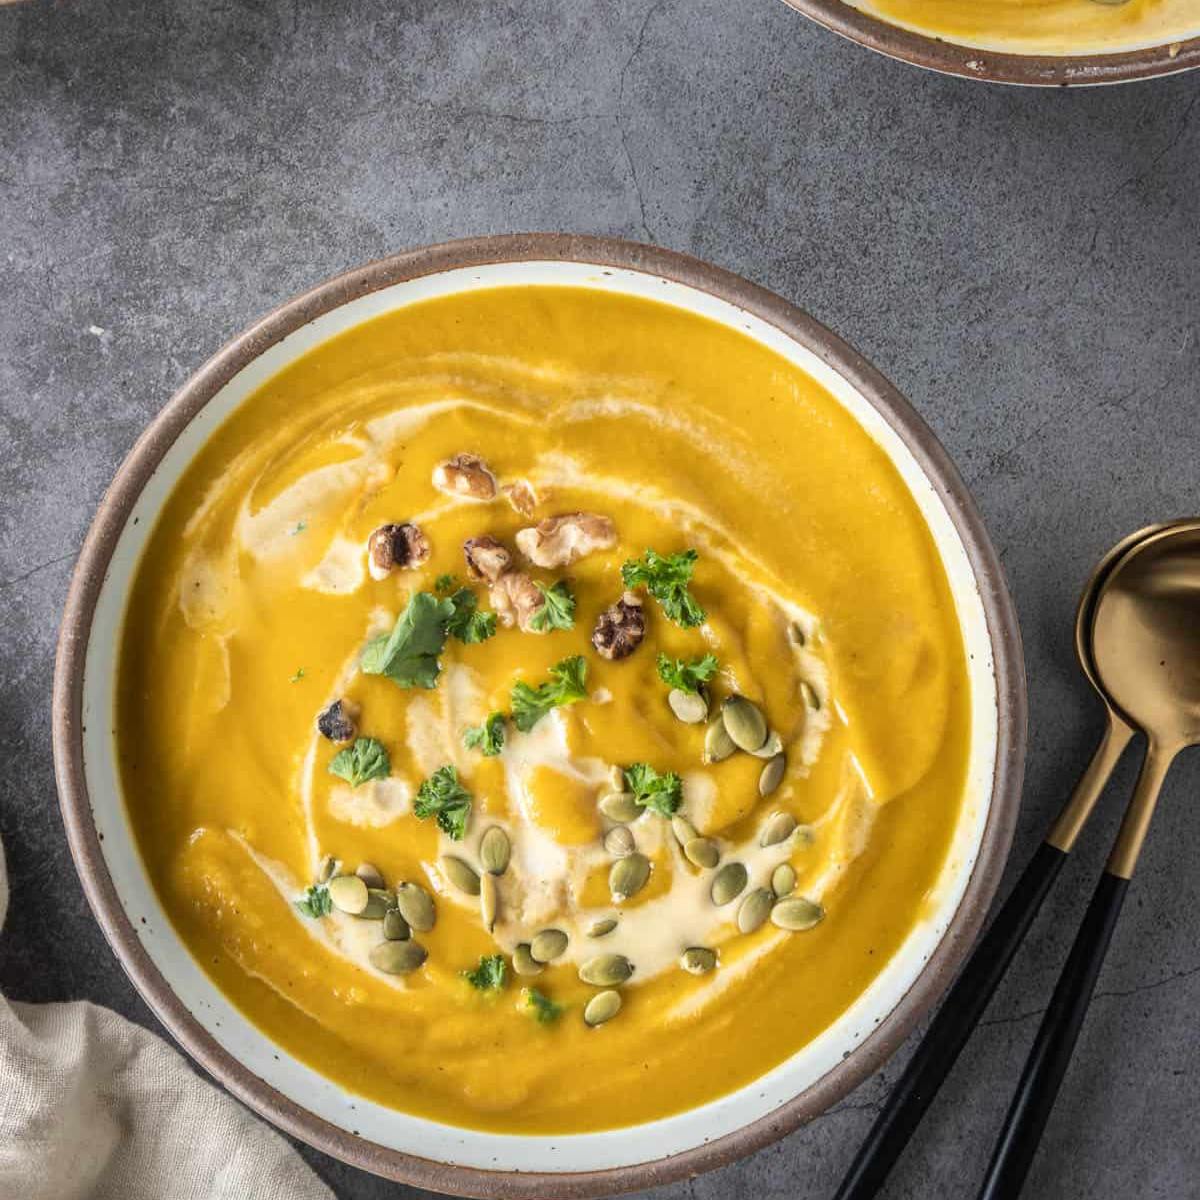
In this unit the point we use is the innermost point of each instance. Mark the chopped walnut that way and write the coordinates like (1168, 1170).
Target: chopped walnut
(521, 496)
(560, 541)
(392, 546)
(465, 475)
(486, 558)
(516, 599)
(338, 721)
(620, 629)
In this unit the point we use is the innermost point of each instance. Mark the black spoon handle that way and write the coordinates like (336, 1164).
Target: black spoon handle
(951, 1028)
(1051, 1053)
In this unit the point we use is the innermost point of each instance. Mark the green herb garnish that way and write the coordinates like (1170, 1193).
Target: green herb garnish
(489, 975)
(667, 579)
(409, 654)
(557, 611)
(661, 793)
(540, 1006)
(316, 901)
(299, 527)
(367, 759)
(686, 676)
(488, 737)
(299, 675)
(443, 583)
(443, 797)
(531, 704)
(466, 623)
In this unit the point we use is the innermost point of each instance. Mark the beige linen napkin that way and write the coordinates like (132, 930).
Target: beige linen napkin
(92, 1107)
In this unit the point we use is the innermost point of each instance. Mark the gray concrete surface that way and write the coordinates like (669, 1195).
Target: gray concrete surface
(1022, 264)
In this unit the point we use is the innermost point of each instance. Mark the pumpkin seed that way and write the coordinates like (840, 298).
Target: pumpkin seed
(603, 927)
(771, 747)
(460, 874)
(606, 970)
(683, 829)
(603, 1006)
(397, 958)
(698, 960)
(778, 829)
(808, 694)
(395, 927)
(618, 841)
(620, 807)
(796, 913)
(718, 745)
(728, 883)
(348, 894)
(326, 869)
(416, 906)
(523, 961)
(804, 836)
(772, 775)
(755, 909)
(690, 707)
(489, 900)
(702, 852)
(378, 902)
(745, 724)
(616, 778)
(783, 879)
(628, 876)
(548, 945)
(495, 850)
(371, 875)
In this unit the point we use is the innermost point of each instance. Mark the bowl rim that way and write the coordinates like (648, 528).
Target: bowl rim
(994, 66)
(91, 569)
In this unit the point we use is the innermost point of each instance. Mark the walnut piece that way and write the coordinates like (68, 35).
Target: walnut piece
(338, 721)
(620, 629)
(486, 558)
(521, 496)
(516, 598)
(392, 546)
(465, 475)
(560, 541)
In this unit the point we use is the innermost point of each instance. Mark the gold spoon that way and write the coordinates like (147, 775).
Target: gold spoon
(1145, 640)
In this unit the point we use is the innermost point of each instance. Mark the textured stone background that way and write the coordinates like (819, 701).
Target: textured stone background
(1022, 264)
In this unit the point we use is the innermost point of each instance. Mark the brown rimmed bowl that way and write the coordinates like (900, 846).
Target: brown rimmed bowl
(973, 62)
(422, 1152)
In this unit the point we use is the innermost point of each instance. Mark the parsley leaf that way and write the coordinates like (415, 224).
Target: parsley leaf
(667, 579)
(367, 759)
(465, 623)
(558, 611)
(443, 797)
(661, 793)
(409, 654)
(531, 704)
(488, 737)
(489, 975)
(540, 1006)
(299, 675)
(443, 583)
(316, 902)
(687, 676)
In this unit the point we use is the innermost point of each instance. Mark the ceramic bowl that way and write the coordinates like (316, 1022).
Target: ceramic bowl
(975, 62)
(422, 1152)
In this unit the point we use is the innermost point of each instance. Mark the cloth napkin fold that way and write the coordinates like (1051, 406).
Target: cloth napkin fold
(93, 1107)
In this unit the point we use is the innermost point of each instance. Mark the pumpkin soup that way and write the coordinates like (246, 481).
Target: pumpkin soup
(542, 710)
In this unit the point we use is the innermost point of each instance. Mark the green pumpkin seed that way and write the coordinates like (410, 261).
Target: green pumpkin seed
(744, 723)
(397, 958)
(698, 960)
(603, 927)
(620, 807)
(395, 927)
(702, 852)
(603, 1006)
(772, 775)
(495, 850)
(616, 778)
(718, 745)
(783, 879)
(804, 836)
(523, 961)
(683, 829)
(489, 900)
(728, 883)
(690, 707)
(326, 869)
(378, 902)
(606, 970)
(771, 747)
(778, 829)
(755, 909)
(809, 695)
(370, 874)
(796, 914)
(460, 874)
(618, 841)
(348, 894)
(416, 906)
(628, 876)
(548, 945)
